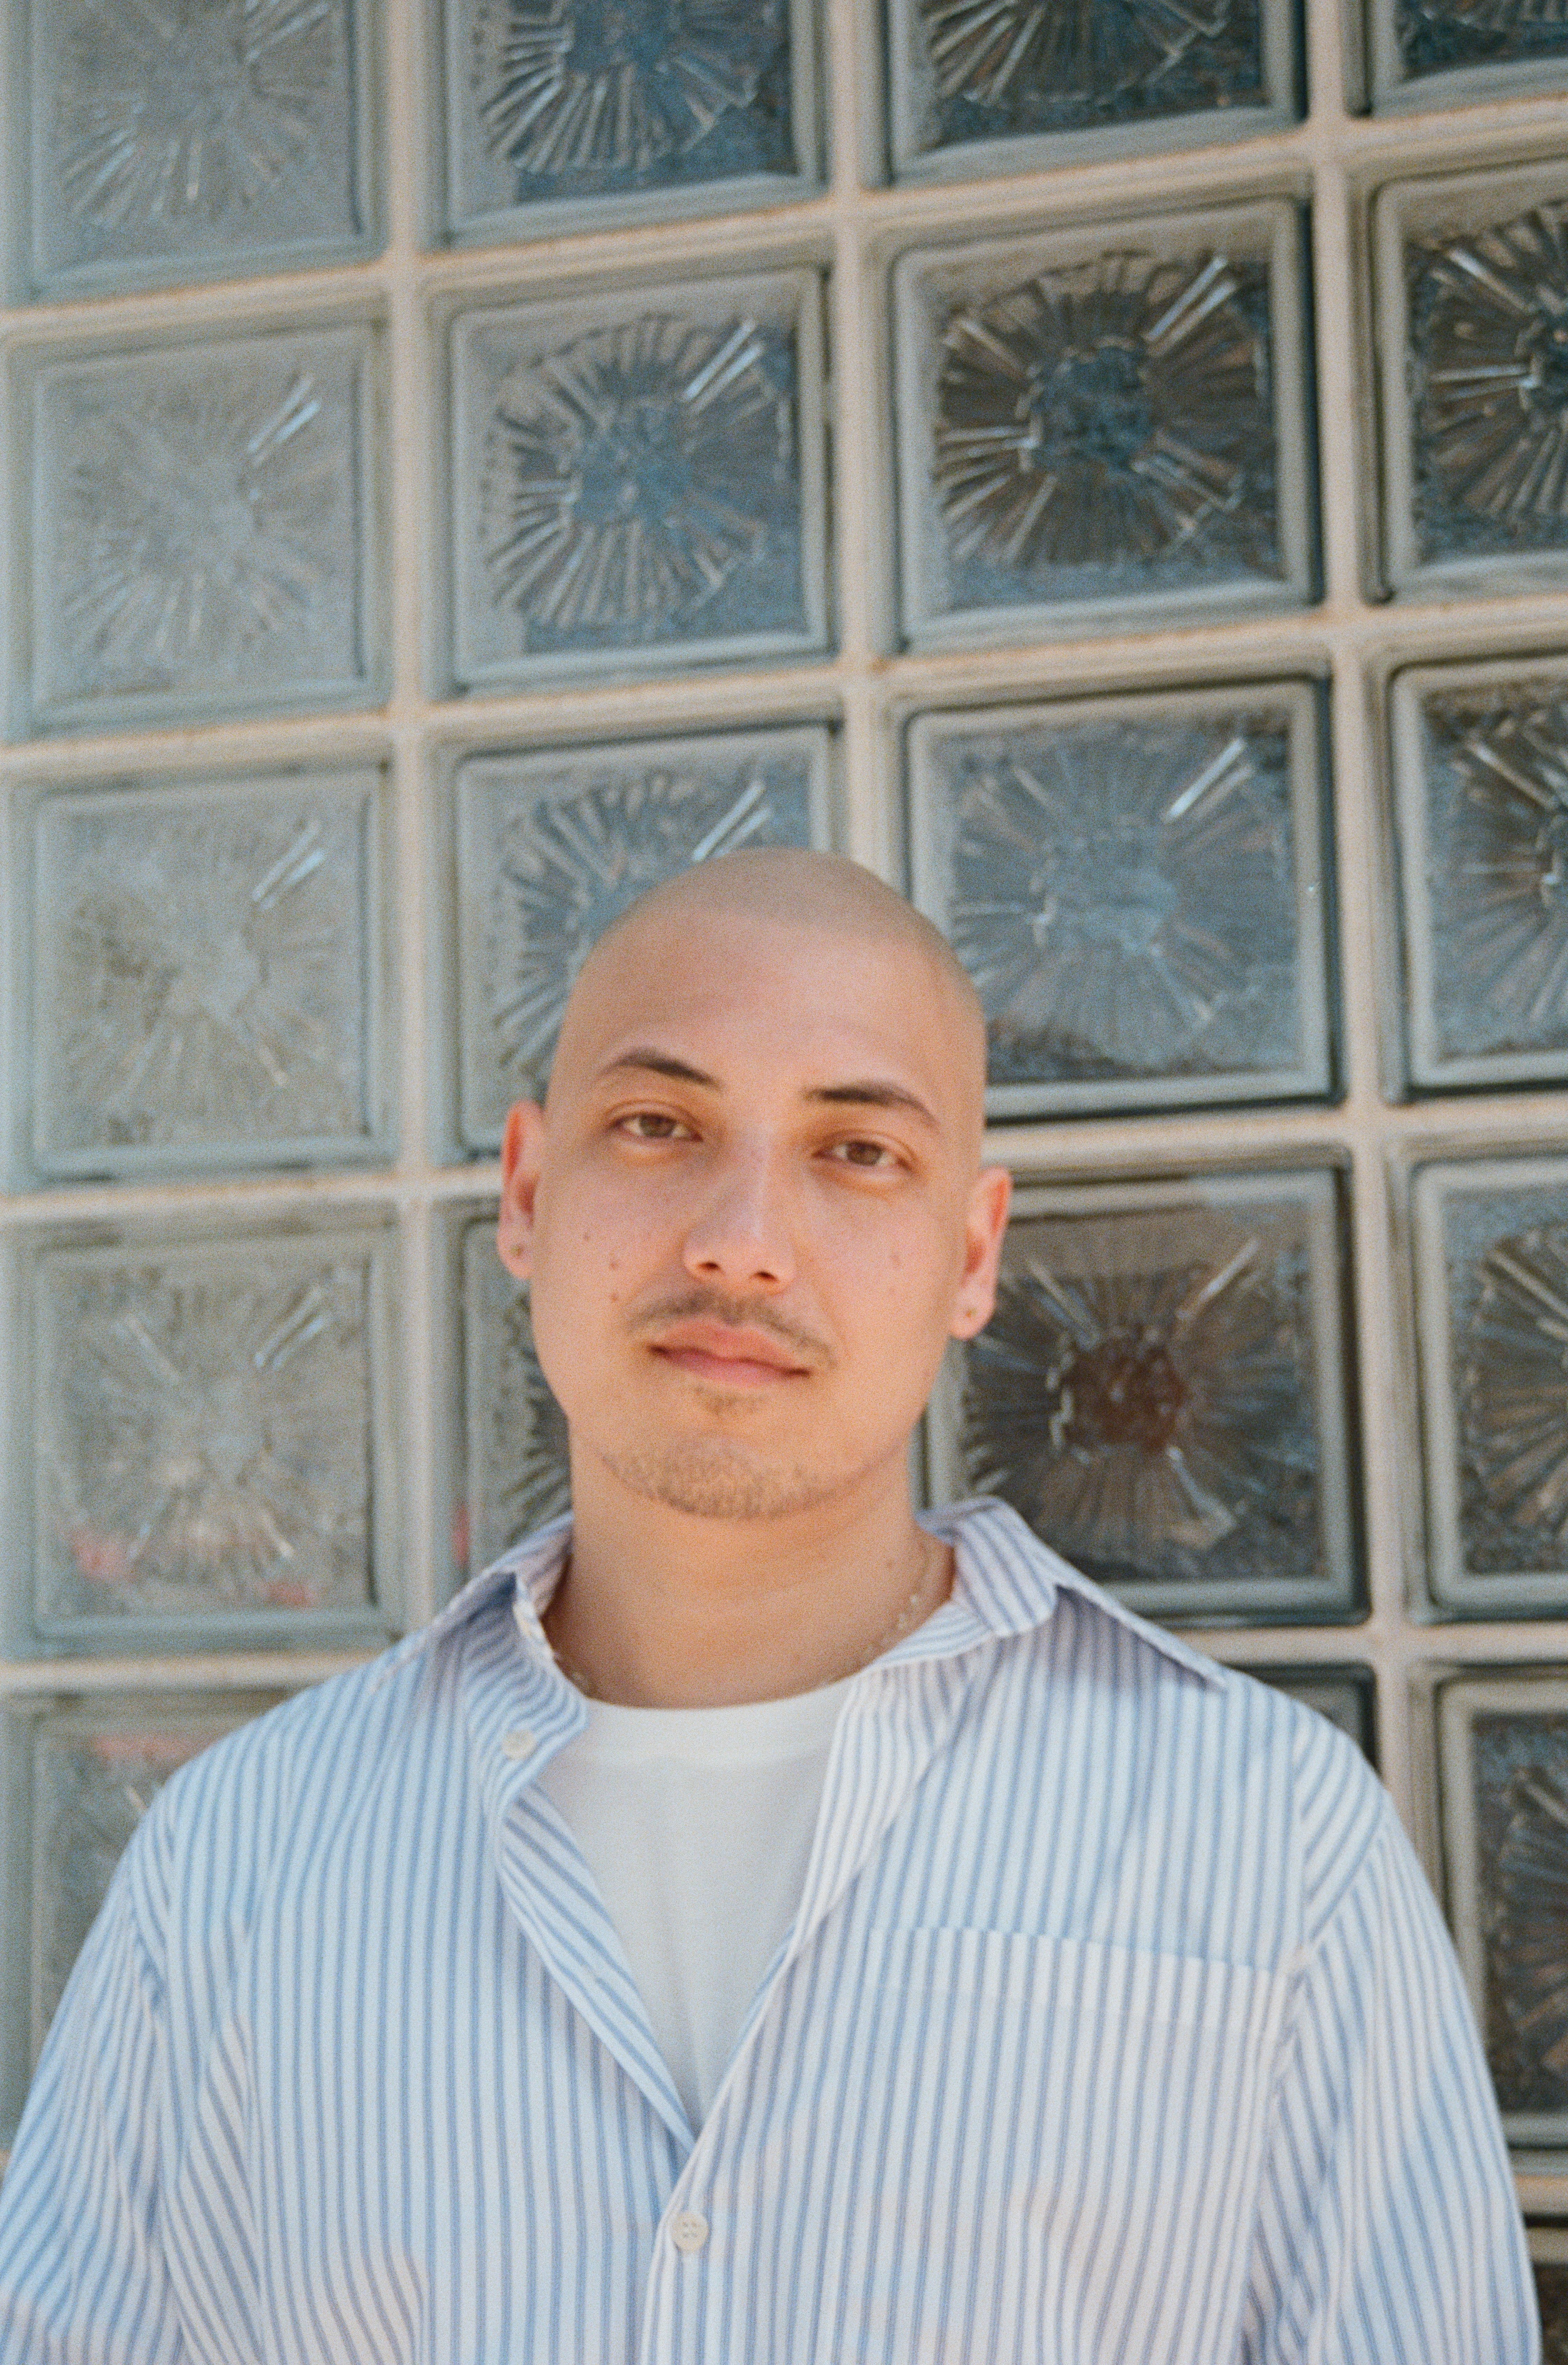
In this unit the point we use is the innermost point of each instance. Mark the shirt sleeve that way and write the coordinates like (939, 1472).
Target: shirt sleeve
(1389, 2229)
(83, 2280)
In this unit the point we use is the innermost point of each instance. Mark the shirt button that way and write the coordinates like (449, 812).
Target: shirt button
(688, 2231)
(519, 1743)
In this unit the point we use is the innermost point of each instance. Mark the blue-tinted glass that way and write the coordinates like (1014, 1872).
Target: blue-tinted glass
(1437, 36)
(1521, 1814)
(1507, 1282)
(1551, 2290)
(514, 1465)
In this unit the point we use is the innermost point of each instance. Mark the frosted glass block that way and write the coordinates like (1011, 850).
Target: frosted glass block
(1444, 53)
(1346, 1695)
(1103, 427)
(553, 846)
(1004, 85)
(1505, 1815)
(205, 1439)
(568, 113)
(1160, 1394)
(1548, 2256)
(1136, 887)
(202, 530)
(512, 1472)
(1481, 772)
(1473, 292)
(205, 985)
(198, 138)
(638, 481)
(77, 1776)
(1491, 1245)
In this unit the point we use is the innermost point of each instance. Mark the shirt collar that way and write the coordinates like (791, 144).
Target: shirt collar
(1006, 1583)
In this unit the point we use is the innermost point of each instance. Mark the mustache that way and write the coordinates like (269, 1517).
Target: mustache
(699, 1304)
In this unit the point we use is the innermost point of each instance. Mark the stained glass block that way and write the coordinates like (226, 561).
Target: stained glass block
(1443, 52)
(202, 528)
(1346, 1695)
(1472, 298)
(77, 1776)
(1480, 770)
(205, 975)
(553, 846)
(638, 481)
(1103, 426)
(563, 113)
(1136, 887)
(1491, 1246)
(1505, 1815)
(1001, 85)
(206, 1448)
(1548, 2256)
(1160, 1393)
(509, 1464)
(198, 138)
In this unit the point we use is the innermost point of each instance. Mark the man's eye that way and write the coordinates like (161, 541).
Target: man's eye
(864, 1153)
(649, 1125)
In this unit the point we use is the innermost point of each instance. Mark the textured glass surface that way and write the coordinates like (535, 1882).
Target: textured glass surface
(552, 848)
(1146, 1396)
(1107, 430)
(205, 1442)
(1509, 1291)
(1123, 893)
(199, 528)
(588, 99)
(1488, 329)
(1551, 2290)
(1522, 1811)
(997, 69)
(198, 134)
(1496, 883)
(1436, 35)
(515, 1475)
(631, 486)
(201, 966)
(1344, 1695)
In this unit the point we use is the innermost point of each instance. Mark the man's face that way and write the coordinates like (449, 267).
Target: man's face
(753, 1215)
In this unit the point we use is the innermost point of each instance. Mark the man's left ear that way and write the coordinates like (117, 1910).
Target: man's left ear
(985, 1228)
(521, 1149)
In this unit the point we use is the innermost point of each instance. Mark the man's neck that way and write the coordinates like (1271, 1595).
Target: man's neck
(662, 1608)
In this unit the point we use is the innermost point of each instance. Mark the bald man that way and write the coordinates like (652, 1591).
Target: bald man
(753, 1923)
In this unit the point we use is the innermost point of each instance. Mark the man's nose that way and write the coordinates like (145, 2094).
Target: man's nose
(742, 1236)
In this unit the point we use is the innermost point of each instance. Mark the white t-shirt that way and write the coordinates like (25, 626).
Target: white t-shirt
(696, 1825)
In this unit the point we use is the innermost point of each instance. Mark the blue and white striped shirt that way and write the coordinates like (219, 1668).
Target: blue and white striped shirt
(1116, 2028)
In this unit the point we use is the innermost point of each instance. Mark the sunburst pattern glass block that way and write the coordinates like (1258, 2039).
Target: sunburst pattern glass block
(1346, 1695)
(205, 975)
(1103, 426)
(511, 1471)
(988, 85)
(1135, 887)
(552, 846)
(1481, 766)
(202, 528)
(1549, 2253)
(1473, 276)
(196, 138)
(584, 109)
(208, 1452)
(1160, 1394)
(1504, 1817)
(78, 1775)
(638, 483)
(1491, 1243)
(1438, 52)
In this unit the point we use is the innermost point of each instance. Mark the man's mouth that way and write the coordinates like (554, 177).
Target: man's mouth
(735, 1358)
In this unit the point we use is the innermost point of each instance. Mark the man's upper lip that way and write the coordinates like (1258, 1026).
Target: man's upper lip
(730, 1346)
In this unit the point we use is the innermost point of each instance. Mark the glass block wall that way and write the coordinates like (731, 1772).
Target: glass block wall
(1106, 469)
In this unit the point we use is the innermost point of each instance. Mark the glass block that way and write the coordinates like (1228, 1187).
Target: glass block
(511, 1472)
(1160, 1393)
(1346, 1695)
(638, 481)
(1472, 322)
(1444, 53)
(1004, 86)
(204, 1438)
(77, 1776)
(1491, 1246)
(201, 529)
(205, 985)
(553, 846)
(564, 114)
(1548, 2257)
(1504, 1742)
(1103, 427)
(199, 139)
(1136, 887)
(1480, 774)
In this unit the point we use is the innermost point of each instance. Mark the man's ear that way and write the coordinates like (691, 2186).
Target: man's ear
(522, 1147)
(985, 1228)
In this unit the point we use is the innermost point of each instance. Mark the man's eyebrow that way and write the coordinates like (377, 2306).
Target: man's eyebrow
(644, 1058)
(874, 1091)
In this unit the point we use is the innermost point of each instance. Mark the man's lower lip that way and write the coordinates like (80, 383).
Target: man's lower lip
(732, 1371)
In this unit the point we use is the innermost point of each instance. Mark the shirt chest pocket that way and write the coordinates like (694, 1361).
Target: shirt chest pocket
(1057, 2146)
